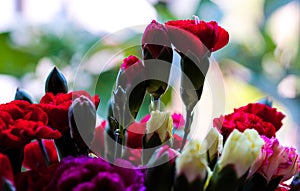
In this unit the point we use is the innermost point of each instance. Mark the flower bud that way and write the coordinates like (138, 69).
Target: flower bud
(160, 123)
(82, 122)
(120, 107)
(157, 56)
(131, 78)
(241, 150)
(56, 82)
(214, 146)
(158, 132)
(239, 153)
(156, 43)
(194, 40)
(161, 169)
(23, 95)
(191, 167)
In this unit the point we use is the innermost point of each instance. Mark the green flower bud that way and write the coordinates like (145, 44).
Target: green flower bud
(56, 82)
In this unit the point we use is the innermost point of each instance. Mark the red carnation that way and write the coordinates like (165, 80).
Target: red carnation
(210, 33)
(21, 122)
(57, 106)
(264, 112)
(33, 157)
(264, 119)
(35, 179)
(6, 172)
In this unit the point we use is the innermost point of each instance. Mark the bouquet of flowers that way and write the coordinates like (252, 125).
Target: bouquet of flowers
(56, 144)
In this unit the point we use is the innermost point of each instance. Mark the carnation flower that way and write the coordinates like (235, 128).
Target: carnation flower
(161, 169)
(157, 57)
(160, 123)
(84, 173)
(264, 119)
(156, 43)
(265, 112)
(6, 173)
(21, 122)
(35, 179)
(57, 106)
(241, 150)
(192, 163)
(276, 161)
(210, 33)
(131, 79)
(33, 157)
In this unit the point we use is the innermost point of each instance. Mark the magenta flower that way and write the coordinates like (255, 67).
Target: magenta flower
(89, 174)
(178, 120)
(276, 161)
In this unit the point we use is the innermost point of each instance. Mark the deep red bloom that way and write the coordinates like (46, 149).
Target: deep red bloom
(97, 145)
(264, 112)
(36, 179)
(33, 157)
(57, 106)
(5, 170)
(210, 33)
(156, 42)
(21, 122)
(264, 119)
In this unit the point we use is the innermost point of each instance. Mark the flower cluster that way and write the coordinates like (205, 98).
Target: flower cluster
(240, 153)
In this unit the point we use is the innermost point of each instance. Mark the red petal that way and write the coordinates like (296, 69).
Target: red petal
(222, 40)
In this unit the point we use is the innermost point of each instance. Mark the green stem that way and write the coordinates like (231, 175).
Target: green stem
(187, 127)
(44, 152)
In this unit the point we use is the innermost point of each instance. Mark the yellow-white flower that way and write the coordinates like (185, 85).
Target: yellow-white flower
(241, 150)
(214, 143)
(160, 123)
(193, 161)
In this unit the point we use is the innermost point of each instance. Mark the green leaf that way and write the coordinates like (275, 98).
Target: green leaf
(14, 61)
(104, 88)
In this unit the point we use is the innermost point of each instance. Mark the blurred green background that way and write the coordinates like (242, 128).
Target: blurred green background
(87, 40)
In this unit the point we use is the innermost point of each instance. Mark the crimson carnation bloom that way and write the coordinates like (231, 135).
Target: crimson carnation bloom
(33, 157)
(210, 33)
(21, 122)
(35, 179)
(57, 106)
(264, 119)
(264, 112)
(89, 174)
(6, 172)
